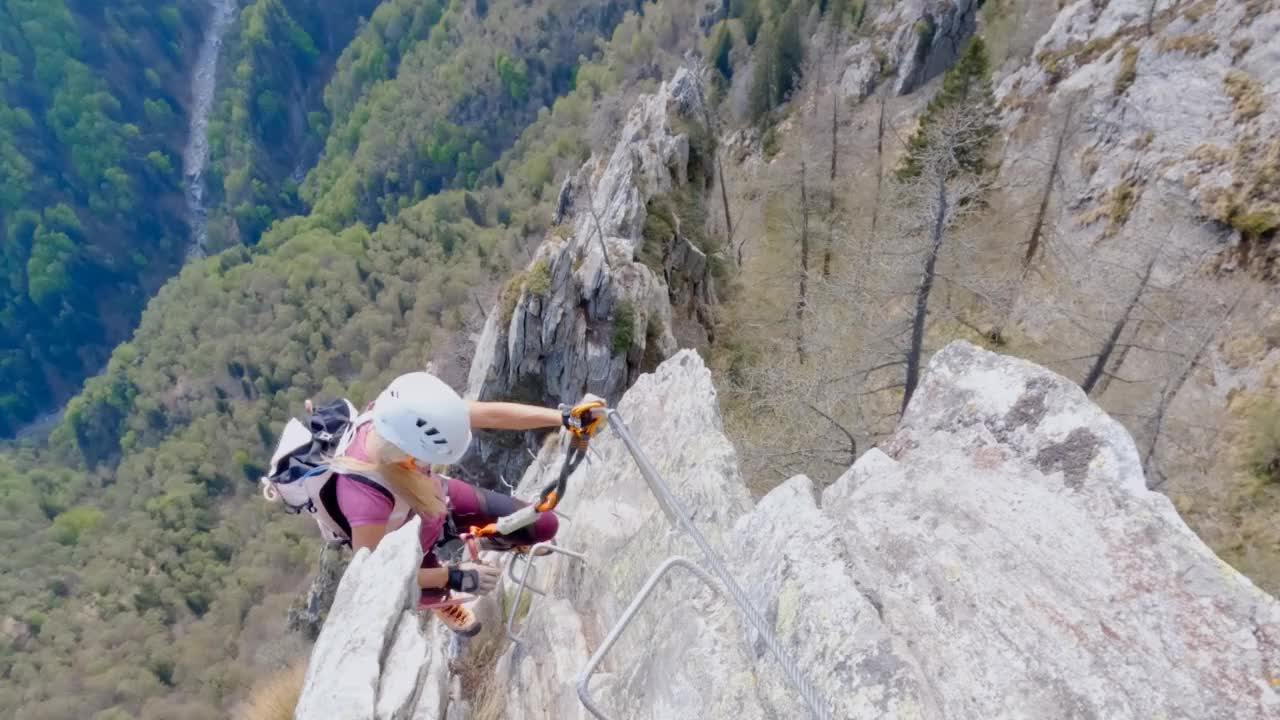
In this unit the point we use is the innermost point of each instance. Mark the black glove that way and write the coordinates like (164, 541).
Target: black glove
(474, 578)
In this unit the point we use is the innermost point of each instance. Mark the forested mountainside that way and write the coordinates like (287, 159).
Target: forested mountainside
(869, 183)
(426, 97)
(92, 100)
(268, 122)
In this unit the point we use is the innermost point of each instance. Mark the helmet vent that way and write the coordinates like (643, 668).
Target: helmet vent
(442, 441)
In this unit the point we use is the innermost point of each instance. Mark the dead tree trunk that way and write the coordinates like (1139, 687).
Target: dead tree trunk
(916, 349)
(1037, 230)
(875, 208)
(714, 129)
(1100, 364)
(1117, 362)
(831, 199)
(803, 298)
(853, 442)
(1172, 389)
(724, 200)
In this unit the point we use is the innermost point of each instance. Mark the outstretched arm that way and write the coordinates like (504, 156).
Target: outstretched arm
(512, 416)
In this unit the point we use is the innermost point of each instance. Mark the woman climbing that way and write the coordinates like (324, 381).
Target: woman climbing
(384, 476)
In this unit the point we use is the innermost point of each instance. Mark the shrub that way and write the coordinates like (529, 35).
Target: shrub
(1128, 69)
(1245, 94)
(538, 279)
(70, 525)
(276, 697)
(1195, 44)
(624, 326)
(1260, 446)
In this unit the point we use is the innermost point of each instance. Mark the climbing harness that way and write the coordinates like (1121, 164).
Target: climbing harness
(582, 423)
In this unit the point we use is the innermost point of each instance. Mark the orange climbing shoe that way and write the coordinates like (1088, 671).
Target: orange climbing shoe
(458, 619)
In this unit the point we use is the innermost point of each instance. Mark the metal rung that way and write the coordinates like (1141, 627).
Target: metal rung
(511, 573)
(818, 707)
(584, 678)
(550, 545)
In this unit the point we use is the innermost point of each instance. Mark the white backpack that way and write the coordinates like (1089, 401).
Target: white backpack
(307, 459)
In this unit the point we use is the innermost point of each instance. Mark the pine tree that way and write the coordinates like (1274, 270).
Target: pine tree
(721, 44)
(966, 85)
(779, 61)
(752, 20)
(763, 80)
(790, 50)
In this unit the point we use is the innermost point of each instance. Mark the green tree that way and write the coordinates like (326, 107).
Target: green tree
(779, 60)
(70, 525)
(966, 85)
(514, 75)
(721, 46)
(49, 270)
(752, 20)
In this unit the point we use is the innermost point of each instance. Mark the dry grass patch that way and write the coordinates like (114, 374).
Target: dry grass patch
(1089, 162)
(276, 697)
(1199, 10)
(1193, 44)
(1239, 47)
(1251, 203)
(1245, 93)
(1116, 208)
(1128, 69)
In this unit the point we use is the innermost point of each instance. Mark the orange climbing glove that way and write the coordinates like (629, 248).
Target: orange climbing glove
(585, 419)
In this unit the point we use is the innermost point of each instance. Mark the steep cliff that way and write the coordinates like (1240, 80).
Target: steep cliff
(589, 312)
(1140, 175)
(999, 556)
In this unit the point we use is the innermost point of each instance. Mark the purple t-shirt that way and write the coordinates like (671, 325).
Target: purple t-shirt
(364, 505)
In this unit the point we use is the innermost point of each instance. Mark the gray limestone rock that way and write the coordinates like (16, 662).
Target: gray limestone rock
(998, 557)
(343, 676)
(590, 321)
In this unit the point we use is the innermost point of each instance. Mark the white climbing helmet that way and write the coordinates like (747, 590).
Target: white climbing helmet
(424, 417)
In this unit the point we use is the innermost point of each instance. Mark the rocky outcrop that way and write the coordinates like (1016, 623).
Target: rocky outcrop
(861, 71)
(919, 39)
(374, 660)
(589, 313)
(306, 615)
(1165, 120)
(907, 44)
(998, 557)
(1172, 102)
(715, 11)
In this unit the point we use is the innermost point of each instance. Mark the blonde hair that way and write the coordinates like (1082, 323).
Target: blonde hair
(420, 490)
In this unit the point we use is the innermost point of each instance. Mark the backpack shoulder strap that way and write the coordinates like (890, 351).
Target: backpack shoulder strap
(350, 434)
(400, 510)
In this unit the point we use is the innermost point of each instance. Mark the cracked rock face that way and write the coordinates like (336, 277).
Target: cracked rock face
(1000, 557)
(1172, 100)
(587, 312)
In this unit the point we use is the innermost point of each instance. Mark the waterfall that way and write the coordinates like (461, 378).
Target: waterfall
(195, 158)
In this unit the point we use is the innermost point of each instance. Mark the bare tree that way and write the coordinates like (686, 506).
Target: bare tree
(712, 122)
(1099, 365)
(928, 206)
(875, 206)
(1159, 418)
(802, 296)
(1037, 227)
